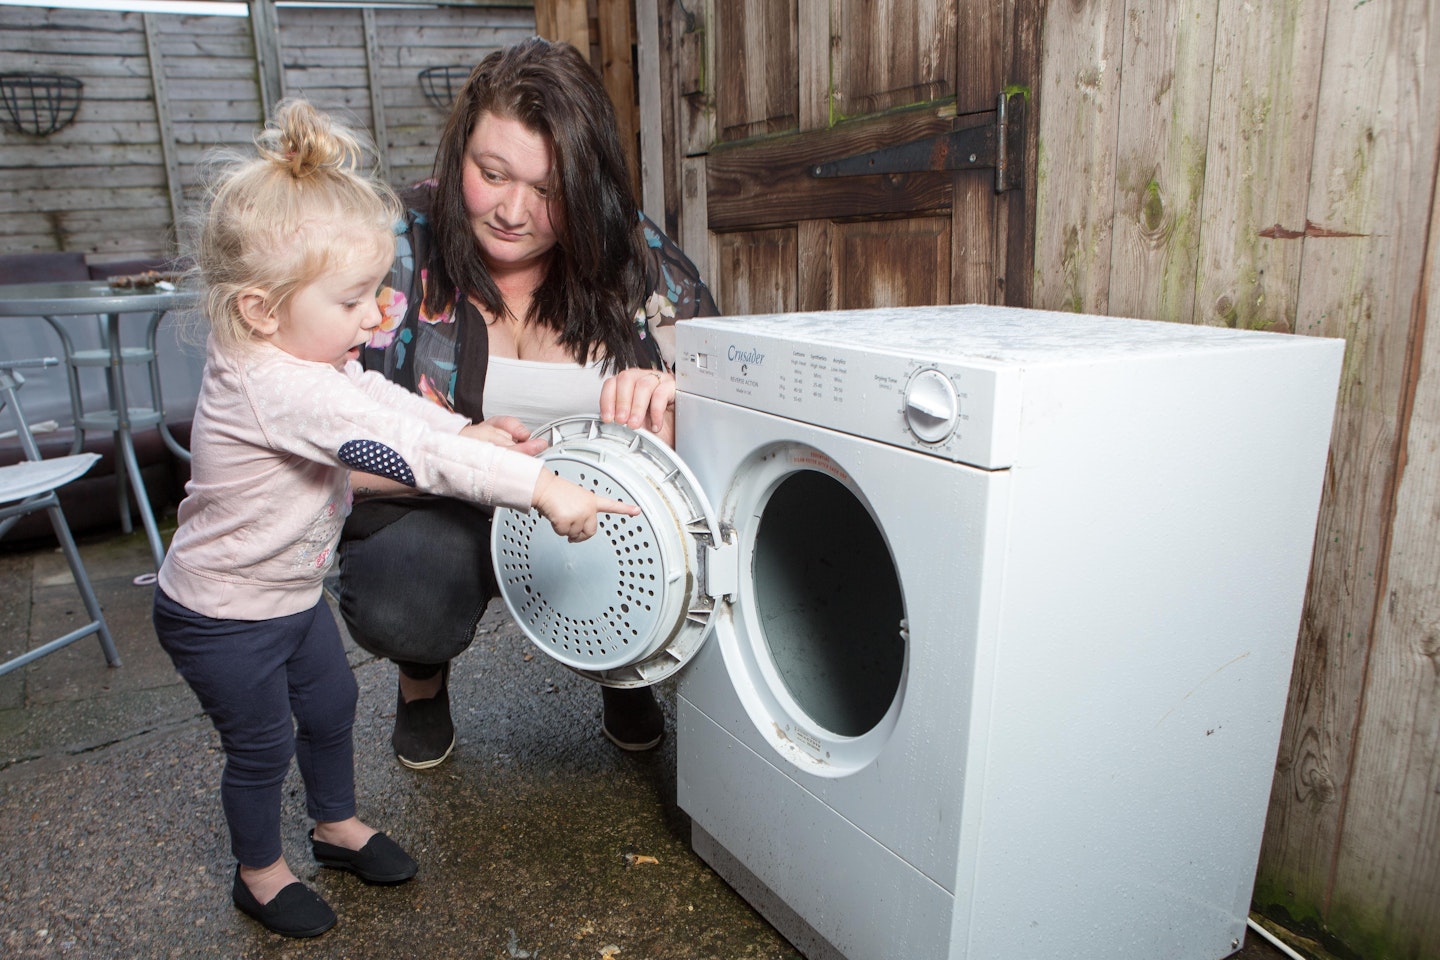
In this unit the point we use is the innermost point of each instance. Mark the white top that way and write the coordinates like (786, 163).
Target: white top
(274, 440)
(537, 392)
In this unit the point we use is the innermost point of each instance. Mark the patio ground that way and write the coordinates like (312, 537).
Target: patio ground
(114, 843)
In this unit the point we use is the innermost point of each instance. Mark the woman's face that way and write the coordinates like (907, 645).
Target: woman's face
(505, 180)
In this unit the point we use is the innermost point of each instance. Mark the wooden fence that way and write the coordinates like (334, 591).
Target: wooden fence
(1273, 166)
(162, 90)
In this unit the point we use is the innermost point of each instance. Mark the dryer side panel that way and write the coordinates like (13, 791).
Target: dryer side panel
(1163, 515)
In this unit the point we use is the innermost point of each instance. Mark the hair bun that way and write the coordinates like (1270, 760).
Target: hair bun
(305, 141)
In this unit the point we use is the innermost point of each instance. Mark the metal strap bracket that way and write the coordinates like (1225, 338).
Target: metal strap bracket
(992, 144)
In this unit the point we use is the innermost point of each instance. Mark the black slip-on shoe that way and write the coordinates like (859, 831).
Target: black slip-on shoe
(381, 860)
(296, 911)
(632, 719)
(424, 733)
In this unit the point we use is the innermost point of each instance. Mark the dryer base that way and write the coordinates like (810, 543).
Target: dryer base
(752, 889)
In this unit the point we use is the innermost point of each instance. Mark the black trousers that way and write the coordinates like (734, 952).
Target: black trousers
(415, 578)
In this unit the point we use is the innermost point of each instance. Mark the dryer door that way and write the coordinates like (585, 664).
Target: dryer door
(814, 645)
(632, 604)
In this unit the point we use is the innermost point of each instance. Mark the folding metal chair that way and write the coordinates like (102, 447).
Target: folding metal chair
(29, 487)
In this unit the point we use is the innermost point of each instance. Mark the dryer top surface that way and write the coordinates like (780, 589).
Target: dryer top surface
(994, 334)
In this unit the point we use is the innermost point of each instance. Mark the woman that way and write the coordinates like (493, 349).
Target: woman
(564, 290)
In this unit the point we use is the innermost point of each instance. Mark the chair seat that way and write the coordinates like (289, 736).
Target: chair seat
(33, 477)
(140, 417)
(101, 358)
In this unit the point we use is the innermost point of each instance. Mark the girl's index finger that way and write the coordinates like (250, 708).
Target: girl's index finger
(606, 505)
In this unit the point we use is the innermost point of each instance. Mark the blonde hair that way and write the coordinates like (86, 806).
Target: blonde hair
(279, 220)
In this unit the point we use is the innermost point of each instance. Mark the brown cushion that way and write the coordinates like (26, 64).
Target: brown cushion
(42, 267)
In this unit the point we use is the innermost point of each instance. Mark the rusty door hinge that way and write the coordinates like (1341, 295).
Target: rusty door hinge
(992, 144)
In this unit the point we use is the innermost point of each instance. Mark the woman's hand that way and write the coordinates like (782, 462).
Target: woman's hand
(638, 398)
(505, 432)
(572, 509)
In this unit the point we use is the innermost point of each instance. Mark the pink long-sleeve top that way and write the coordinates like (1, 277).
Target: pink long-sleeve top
(273, 442)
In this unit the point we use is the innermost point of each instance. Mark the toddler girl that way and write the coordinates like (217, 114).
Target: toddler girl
(292, 248)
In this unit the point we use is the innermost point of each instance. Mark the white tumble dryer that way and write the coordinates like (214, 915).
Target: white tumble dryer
(983, 618)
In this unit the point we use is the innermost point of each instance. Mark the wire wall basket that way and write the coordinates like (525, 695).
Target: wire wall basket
(39, 103)
(440, 85)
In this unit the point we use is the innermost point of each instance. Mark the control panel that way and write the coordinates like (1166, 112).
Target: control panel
(964, 411)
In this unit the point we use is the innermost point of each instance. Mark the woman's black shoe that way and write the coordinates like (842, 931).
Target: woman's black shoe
(424, 733)
(296, 911)
(632, 719)
(380, 861)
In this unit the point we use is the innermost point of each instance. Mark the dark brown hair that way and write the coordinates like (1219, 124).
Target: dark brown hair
(595, 281)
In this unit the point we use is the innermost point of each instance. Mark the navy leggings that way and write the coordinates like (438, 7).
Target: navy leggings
(252, 677)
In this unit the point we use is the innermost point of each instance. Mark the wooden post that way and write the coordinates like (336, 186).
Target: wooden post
(377, 89)
(265, 24)
(567, 20)
(163, 118)
(651, 118)
(617, 33)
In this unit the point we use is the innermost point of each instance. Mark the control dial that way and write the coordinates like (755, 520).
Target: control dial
(932, 407)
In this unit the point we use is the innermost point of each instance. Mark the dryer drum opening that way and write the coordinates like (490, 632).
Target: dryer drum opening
(828, 602)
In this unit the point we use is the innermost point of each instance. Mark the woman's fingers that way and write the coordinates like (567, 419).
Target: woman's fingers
(638, 398)
(506, 432)
(662, 404)
(510, 425)
(487, 433)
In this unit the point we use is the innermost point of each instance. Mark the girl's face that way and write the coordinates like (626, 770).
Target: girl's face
(504, 180)
(330, 318)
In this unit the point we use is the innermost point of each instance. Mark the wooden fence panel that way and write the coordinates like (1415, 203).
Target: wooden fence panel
(1319, 208)
(211, 93)
(1363, 248)
(1160, 159)
(211, 101)
(114, 139)
(322, 52)
(1079, 104)
(1387, 880)
(1257, 168)
(1373, 183)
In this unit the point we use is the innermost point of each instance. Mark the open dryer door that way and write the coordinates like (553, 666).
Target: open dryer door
(631, 605)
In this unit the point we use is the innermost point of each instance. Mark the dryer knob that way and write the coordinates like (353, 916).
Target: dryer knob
(931, 406)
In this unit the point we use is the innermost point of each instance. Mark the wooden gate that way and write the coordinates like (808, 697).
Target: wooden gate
(779, 92)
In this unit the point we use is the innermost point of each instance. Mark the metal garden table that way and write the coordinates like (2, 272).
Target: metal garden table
(54, 301)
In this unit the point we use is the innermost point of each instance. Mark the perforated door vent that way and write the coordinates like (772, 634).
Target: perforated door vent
(625, 607)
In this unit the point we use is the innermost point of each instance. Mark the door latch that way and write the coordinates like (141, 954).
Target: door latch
(992, 144)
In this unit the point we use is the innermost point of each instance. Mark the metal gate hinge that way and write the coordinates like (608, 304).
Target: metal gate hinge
(992, 144)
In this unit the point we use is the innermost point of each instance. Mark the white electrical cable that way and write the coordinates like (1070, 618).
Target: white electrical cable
(1273, 940)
